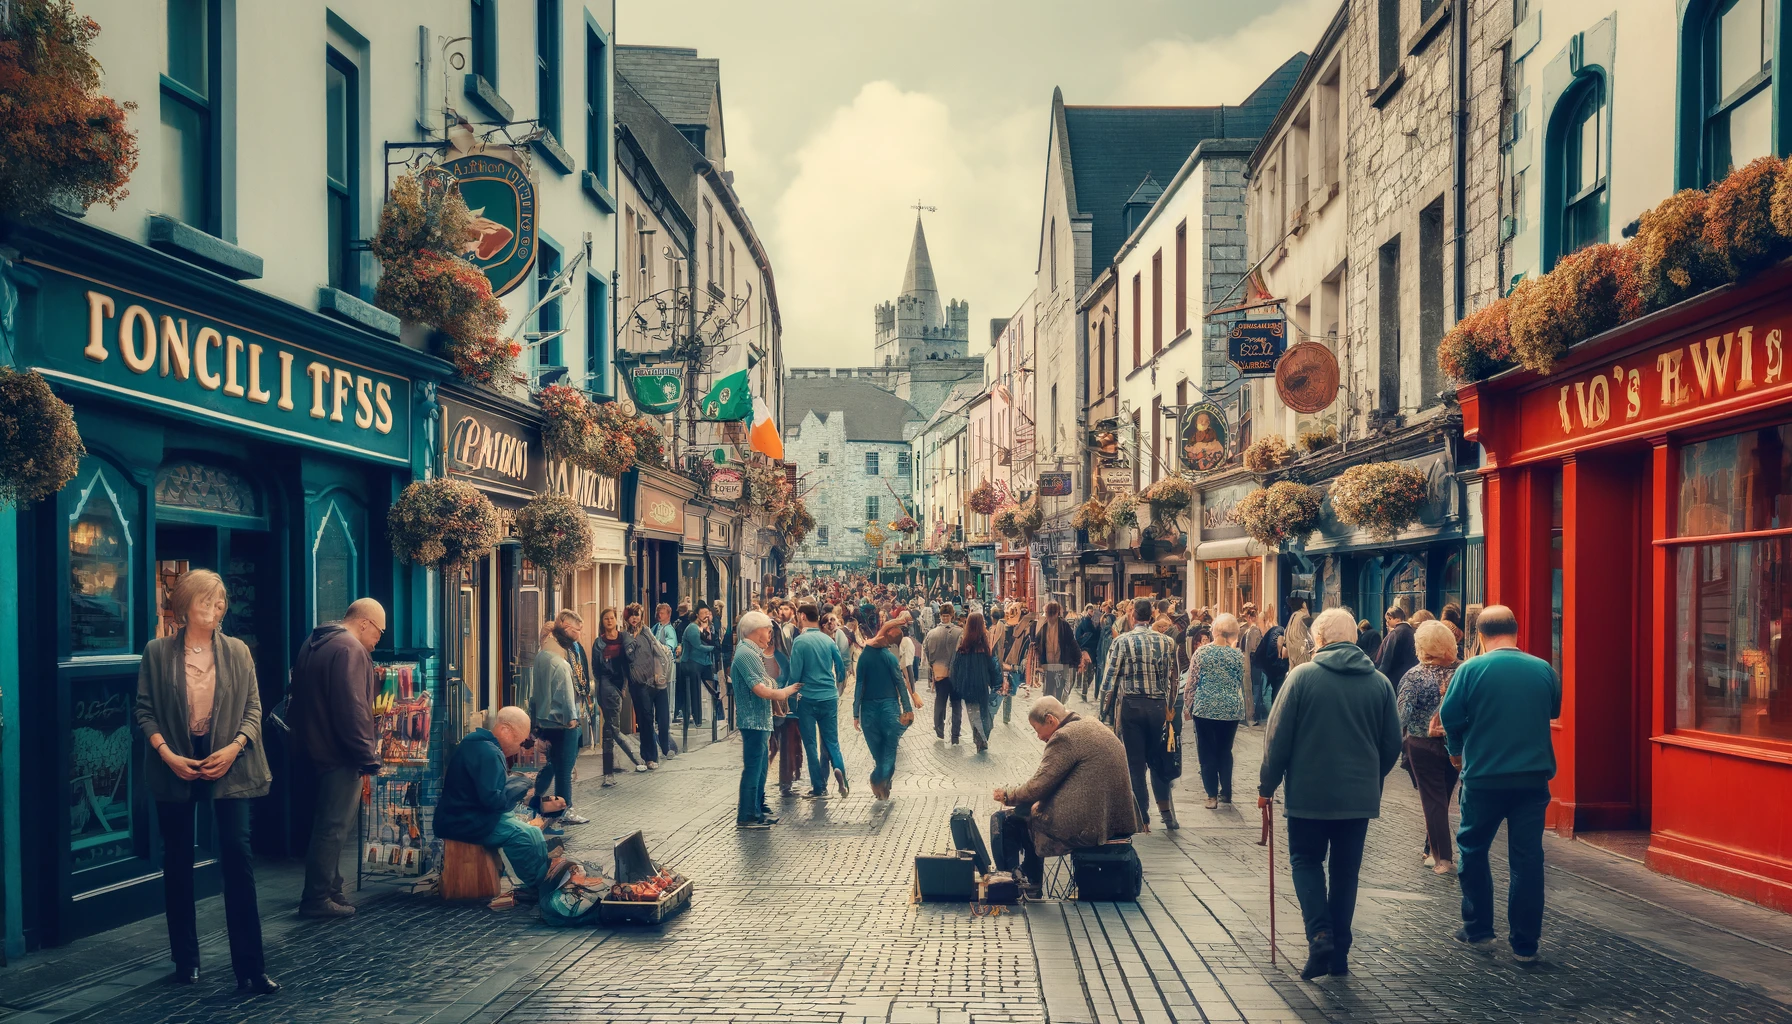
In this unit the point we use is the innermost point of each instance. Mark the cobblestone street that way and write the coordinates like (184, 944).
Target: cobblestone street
(811, 922)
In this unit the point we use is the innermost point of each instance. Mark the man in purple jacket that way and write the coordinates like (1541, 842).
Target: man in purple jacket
(333, 686)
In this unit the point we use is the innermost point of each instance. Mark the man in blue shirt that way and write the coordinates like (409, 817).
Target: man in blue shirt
(1496, 717)
(753, 696)
(817, 668)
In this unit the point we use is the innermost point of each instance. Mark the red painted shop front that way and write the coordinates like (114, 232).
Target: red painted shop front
(1639, 522)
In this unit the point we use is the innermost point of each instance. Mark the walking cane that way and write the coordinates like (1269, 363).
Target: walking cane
(1268, 838)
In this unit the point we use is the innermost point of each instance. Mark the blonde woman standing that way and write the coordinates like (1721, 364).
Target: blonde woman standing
(1213, 693)
(1419, 696)
(199, 708)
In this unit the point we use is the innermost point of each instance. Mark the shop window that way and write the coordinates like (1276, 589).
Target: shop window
(333, 566)
(1733, 596)
(189, 95)
(1734, 79)
(342, 162)
(102, 829)
(1405, 585)
(101, 548)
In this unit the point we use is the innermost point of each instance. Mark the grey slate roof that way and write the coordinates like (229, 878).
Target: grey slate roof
(872, 414)
(670, 153)
(680, 85)
(1113, 148)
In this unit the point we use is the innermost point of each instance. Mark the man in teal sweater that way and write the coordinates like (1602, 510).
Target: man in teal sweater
(816, 667)
(1496, 717)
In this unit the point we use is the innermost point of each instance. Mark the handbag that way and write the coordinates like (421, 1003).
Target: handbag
(1436, 728)
(1172, 761)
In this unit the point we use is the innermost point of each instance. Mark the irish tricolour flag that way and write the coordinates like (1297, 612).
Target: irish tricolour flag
(732, 400)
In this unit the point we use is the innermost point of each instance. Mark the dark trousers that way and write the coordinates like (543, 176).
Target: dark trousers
(690, 692)
(338, 799)
(1311, 843)
(653, 719)
(1017, 847)
(943, 693)
(1142, 730)
(240, 912)
(1436, 779)
(787, 734)
(563, 750)
(1213, 745)
(755, 748)
(1522, 811)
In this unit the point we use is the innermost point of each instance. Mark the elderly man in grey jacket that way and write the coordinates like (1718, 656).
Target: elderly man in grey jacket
(1333, 736)
(553, 706)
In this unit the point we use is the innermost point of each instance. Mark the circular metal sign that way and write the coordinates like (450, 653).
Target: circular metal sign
(1307, 378)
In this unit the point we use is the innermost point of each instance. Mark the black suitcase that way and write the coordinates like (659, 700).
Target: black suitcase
(1107, 873)
(968, 837)
(945, 877)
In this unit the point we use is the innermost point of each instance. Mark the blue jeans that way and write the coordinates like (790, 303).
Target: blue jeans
(1017, 678)
(1522, 811)
(982, 714)
(523, 845)
(818, 723)
(1260, 695)
(755, 747)
(881, 721)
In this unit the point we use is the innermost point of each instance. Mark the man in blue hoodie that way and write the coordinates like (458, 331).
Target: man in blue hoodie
(817, 669)
(1496, 717)
(475, 805)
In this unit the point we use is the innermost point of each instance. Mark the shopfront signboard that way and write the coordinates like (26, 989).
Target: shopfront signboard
(1216, 511)
(726, 485)
(152, 352)
(1116, 480)
(1053, 484)
(658, 387)
(659, 511)
(1254, 346)
(1205, 437)
(502, 455)
(501, 196)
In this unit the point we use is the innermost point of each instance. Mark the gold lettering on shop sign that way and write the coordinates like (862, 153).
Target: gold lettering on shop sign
(1713, 370)
(382, 405)
(1673, 390)
(256, 394)
(202, 366)
(1745, 377)
(363, 402)
(233, 350)
(1775, 358)
(137, 358)
(320, 377)
(343, 381)
(99, 310)
(285, 402)
(176, 355)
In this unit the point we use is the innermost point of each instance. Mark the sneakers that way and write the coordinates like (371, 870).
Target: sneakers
(840, 780)
(1483, 944)
(326, 910)
(641, 767)
(755, 825)
(1526, 958)
(607, 783)
(569, 818)
(816, 795)
(1430, 861)
(550, 831)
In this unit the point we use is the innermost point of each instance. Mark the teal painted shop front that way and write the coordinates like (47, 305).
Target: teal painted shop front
(224, 430)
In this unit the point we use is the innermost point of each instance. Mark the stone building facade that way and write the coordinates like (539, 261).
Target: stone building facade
(917, 326)
(849, 438)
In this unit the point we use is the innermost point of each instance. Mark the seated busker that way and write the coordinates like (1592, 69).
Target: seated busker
(477, 800)
(1081, 796)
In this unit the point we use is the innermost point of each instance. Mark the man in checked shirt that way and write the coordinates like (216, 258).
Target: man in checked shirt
(1140, 677)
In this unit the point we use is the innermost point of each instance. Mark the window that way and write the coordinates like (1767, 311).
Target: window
(1101, 358)
(1738, 68)
(870, 463)
(1388, 28)
(1157, 433)
(597, 335)
(547, 65)
(189, 92)
(821, 536)
(1138, 321)
(1389, 300)
(870, 507)
(333, 566)
(709, 242)
(1051, 247)
(821, 458)
(1331, 125)
(597, 105)
(1181, 278)
(903, 462)
(101, 534)
(1577, 156)
(482, 46)
(1052, 439)
(342, 162)
(1431, 302)
(547, 318)
(1733, 597)
(1157, 302)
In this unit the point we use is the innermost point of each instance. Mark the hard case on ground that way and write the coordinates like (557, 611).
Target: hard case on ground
(945, 877)
(967, 836)
(1107, 873)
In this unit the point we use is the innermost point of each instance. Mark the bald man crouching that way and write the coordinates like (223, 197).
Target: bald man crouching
(475, 809)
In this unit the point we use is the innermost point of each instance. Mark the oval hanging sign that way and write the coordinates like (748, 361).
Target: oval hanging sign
(659, 387)
(1205, 437)
(501, 197)
(1307, 378)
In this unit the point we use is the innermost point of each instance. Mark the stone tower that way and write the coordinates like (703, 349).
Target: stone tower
(917, 327)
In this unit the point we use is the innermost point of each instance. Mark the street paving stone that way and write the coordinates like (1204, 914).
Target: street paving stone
(812, 921)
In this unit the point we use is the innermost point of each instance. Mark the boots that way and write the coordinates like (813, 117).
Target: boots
(1168, 811)
(1319, 957)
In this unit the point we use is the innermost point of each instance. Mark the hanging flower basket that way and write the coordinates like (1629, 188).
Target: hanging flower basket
(1381, 497)
(1268, 454)
(795, 522)
(1123, 513)
(767, 489)
(61, 142)
(1018, 522)
(1279, 512)
(905, 524)
(424, 212)
(555, 533)
(1480, 345)
(1170, 499)
(40, 448)
(568, 424)
(1313, 442)
(983, 499)
(621, 432)
(442, 523)
(1092, 518)
(874, 538)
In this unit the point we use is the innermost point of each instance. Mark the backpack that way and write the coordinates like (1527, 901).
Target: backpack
(663, 667)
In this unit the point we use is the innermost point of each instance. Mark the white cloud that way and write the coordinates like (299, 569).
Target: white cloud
(1170, 72)
(841, 230)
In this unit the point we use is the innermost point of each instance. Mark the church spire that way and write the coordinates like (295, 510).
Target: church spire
(918, 282)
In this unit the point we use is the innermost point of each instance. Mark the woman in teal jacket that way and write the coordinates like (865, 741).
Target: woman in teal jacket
(694, 657)
(880, 701)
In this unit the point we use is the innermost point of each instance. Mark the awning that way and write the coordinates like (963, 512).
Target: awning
(1236, 547)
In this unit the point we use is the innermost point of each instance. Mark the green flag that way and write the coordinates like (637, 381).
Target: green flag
(729, 400)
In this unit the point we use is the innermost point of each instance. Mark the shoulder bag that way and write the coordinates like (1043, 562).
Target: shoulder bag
(1436, 728)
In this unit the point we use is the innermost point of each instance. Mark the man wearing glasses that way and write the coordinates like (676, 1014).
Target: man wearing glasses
(333, 687)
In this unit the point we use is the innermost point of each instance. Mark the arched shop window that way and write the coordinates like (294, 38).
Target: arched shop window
(1736, 52)
(1405, 584)
(335, 558)
(103, 531)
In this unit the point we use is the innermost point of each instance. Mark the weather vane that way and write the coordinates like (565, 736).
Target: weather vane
(918, 208)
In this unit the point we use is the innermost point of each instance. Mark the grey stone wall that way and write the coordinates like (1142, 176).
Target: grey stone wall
(836, 491)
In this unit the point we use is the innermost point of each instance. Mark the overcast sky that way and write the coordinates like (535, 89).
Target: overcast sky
(841, 114)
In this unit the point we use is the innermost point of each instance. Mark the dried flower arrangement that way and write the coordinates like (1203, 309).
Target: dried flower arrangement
(1739, 224)
(1018, 521)
(1123, 513)
(1279, 512)
(1673, 259)
(1381, 497)
(795, 522)
(1480, 345)
(1092, 517)
(1590, 290)
(767, 489)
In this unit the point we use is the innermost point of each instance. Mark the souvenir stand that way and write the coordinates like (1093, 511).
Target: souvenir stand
(397, 806)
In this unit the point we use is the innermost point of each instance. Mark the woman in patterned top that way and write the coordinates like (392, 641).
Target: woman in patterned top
(1213, 693)
(1417, 700)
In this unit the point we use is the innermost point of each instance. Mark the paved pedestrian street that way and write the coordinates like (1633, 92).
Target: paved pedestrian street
(812, 922)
